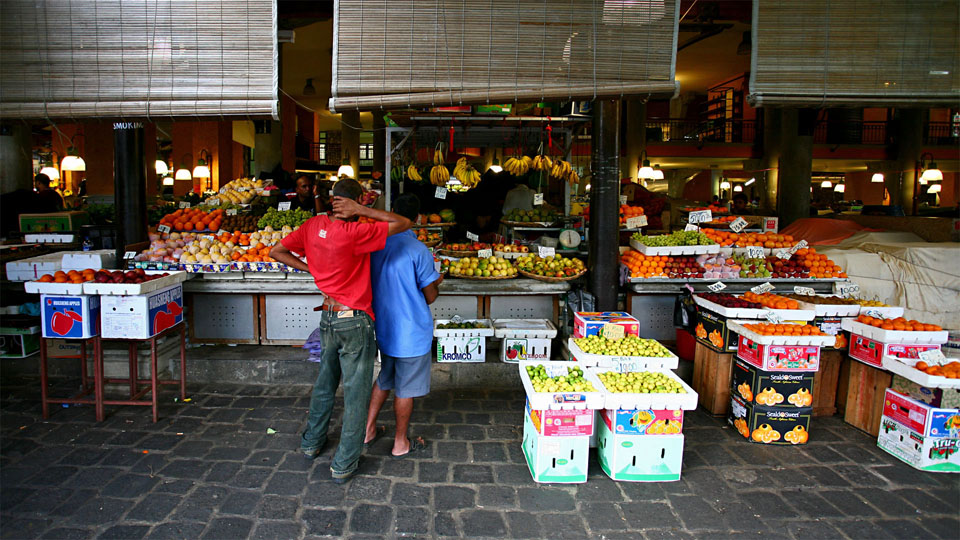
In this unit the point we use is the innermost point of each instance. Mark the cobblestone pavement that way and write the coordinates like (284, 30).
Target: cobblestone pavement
(210, 469)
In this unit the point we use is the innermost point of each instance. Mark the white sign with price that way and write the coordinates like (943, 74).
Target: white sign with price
(222, 232)
(805, 291)
(933, 356)
(845, 290)
(691, 227)
(716, 287)
(163, 229)
(441, 192)
(700, 216)
(783, 253)
(129, 255)
(285, 205)
(485, 253)
(762, 288)
(612, 331)
(231, 211)
(755, 252)
(472, 237)
(875, 314)
(636, 222)
(546, 252)
(738, 224)
(772, 317)
(623, 199)
(537, 199)
(799, 245)
(183, 204)
(213, 202)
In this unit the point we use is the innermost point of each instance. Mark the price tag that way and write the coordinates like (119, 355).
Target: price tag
(806, 291)
(612, 331)
(163, 229)
(799, 245)
(783, 253)
(231, 211)
(716, 287)
(700, 216)
(222, 232)
(738, 224)
(690, 227)
(472, 237)
(762, 288)
(845, 290)
(537, 199)
(208, 237)
(129, 255)
(771, 224)
(240, 189)
(875, 314)
(636, 222)
(213, 202)
(932, 356)
(755, 252)
(183, 204)
(546, 252)
(485, 253)
(285, 205)
(623, 199)
(441, 192)
(437, 266)
(772, 317)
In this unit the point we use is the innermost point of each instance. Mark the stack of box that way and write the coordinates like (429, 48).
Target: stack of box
(923, 435)
(772, 386)
(870, 344)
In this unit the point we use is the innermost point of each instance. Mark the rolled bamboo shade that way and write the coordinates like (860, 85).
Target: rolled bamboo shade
(455, 52)
(875, 53)
(137, 58)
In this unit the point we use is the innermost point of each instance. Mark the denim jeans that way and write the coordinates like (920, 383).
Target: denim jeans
(349, 351)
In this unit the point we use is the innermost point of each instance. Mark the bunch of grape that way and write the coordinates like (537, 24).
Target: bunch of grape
(678, 238)
(278, 219)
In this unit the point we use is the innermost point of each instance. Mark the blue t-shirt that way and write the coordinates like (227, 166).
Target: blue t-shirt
(398, 272)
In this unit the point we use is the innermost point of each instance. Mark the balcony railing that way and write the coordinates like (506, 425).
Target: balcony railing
(745, 131)
(712, 131)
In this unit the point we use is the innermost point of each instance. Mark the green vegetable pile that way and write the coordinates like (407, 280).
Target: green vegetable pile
(678, 238)
(279, 219)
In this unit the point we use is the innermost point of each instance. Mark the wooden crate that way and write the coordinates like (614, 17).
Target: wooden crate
(712, 373)
(865, 394)
(843, 382)
(825, 383)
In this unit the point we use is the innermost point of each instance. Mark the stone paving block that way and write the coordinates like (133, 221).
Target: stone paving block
(860, 528)
(512, 474)
(67, 533)
(444, 525)
(284, 508)
(129, 486)
(159, 441)
(239, 502)
(413, 521)
(222, 471)
(858, 475)
(768, 504)
(274, 530)
(933, 501)
(286, 483)
(811, 529)
(202, 502)
(153, 508)
(100, 511)
(904, 528)
(52, 476)
(124, 532)
(465, 433)
(602, 516)
(84, 457)
(25, 527)
(173, 486)
(185, 468)
(430, 472)
(824, 476)
(324, 494)
(523, 525)
(901, 474)
(887, 502)
(410, 495)
(848, 503)
(229, 527)
(451, 451)
(489, 452)
(369, 489)
(641, 491)
(496, 496)
(371, 518)
(545, 499)
(946, 527)
(400, 468)
(694, 511)
(811, 504)
(325, 522)
(563, 525)
(649, 515)
(472, 474)
(251, 477)
(483, 523)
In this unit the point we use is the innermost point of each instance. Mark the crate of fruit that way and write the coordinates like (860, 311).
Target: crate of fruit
(934, 336)
(811, 336)
(560, 385)
(827, 305)
(653, 355)
(52, 287)
(652, 389)
(463, 328)
(704, 301)
(907, 368)
(133, 282)
(673, 250)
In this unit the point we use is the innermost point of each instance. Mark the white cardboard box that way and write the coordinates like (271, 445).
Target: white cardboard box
(143, 316)
(81, 260)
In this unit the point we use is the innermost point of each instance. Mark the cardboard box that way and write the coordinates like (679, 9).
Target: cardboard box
(561, 460)
(779, 357)
(462, 349)
(918, 416)
(561, 422)
(871, 352)
(142, 316)
(81, 260)
(73, 317)
(642, 422)
(590, 323)
(781, 389)
(946, 398)
(52, 222)
(513, 350)
(639, 458)
(32, 268)
(931, 454)
(62, 348)
(19, 342)
(770, 425)
(712, 331)
(831, 325)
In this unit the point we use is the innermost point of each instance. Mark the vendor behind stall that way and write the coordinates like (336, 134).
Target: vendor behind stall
(48, 199)
(308, 196)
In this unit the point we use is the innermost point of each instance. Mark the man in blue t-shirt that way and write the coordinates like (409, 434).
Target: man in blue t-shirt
(404, 282)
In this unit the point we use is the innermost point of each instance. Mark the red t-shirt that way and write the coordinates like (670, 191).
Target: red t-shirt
(338, 254)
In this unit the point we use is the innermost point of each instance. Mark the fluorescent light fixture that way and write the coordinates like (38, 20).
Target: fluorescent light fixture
(932, 174)
(737, 188)
(161, 167)
(183, 174)
(750, 181)
(840, 188)
(934, 188)
(51, 172)
(345, 170)
(724, 185)
(168, 180)
(826, 184)
(877, 178)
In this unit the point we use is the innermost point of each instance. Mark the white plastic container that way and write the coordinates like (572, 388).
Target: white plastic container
(630, 401)
(893, 336)
(134, 289)
(524, 339)
(561, 400)
(819, 341)
(622, 363)
(462, 344)
(805, 314)
(674, 250)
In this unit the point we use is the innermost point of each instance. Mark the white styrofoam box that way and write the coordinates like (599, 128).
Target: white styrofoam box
(273, 276)
(486, 331)
(621, 363)
(561, 400)
(674, 250)
(513, 350)
(561, 460)
(462, 349)
(48, 238)
(524, 339)
(893, 336)
(629, 400)
(830, 310)
(819, 341)
(95, 260)
(133, 289)
(805, 314)
(33, 267)
(38, 287)
(907, 371)
(887, 312)
(141, 316)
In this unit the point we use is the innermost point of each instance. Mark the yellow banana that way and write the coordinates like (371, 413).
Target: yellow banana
(414, 174)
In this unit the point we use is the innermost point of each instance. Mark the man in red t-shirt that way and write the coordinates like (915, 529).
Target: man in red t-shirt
(338, 257)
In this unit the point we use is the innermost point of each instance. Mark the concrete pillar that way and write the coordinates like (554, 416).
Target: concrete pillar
(767, 181)
(796, 163)
(716, 176)
(16, 158)
(130, 184)
(350, 139)
(604, 204)
(379, 141)
(268, 149)
(908, 135)
(634, 136)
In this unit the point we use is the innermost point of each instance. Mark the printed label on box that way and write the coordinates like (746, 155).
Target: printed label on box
(70, 316)
(517, 349)
(768, 425)
(589, 323)
(712, 331)
(562, 423)
(772, 388)
(643, 422)
(461, 349)
(779, 357)
(924, 453)
(872, 352)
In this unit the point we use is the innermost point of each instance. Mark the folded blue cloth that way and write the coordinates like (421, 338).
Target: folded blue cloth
(315, 346)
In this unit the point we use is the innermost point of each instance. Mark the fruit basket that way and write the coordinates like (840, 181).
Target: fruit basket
(621, 363)
(130, 289)
(432, 243)
(481, 278)
(762, 339)
(673, 250)
(687, 400)
(893, 336)
(457, 254)
(561, 400)
(896, 365)
(552, 279)
(754, 313)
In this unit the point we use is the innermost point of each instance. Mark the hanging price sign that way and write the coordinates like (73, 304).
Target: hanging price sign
(537, 199)
(623, 199)
(716, 287)
(755, 252)
(700, 216)
(183, 204)
(285, 205)
(231, 211)
(932, 356)
(690, 227)
(546, 252)
(222, 232)
(762, 288)
(472, 237)
(163, 229)
(875, 314)
(636, 222)
(845, 290)
(738, 224)
(437, 266)
(213, 202)
(799, 245)
(441, 192)
(485, 253)
(783, 253)
(612, 331)
(805, 291)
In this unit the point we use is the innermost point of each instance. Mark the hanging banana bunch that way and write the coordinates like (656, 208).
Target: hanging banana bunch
(465, 172)
(413, 174)
(542, 163)
(439, 173)
(518, 166)
(562, 170)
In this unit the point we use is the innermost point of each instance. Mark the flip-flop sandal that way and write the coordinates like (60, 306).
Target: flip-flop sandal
(416, 445)
(380, 431)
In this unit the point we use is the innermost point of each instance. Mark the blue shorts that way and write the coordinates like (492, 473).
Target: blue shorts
(408, 377)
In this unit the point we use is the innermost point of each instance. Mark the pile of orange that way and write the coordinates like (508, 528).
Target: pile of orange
(950, 370)
(257, 253)
(767, 240)
(193, 219)
(771, 301)
(72, 276)
(898, 324)
(724, 238)
(627, 212)
(769, 329)
(644, 266)
(818, 264)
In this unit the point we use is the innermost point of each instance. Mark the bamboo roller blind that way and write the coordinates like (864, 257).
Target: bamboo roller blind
(137, 58)
(451, 52)
(856, 52)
